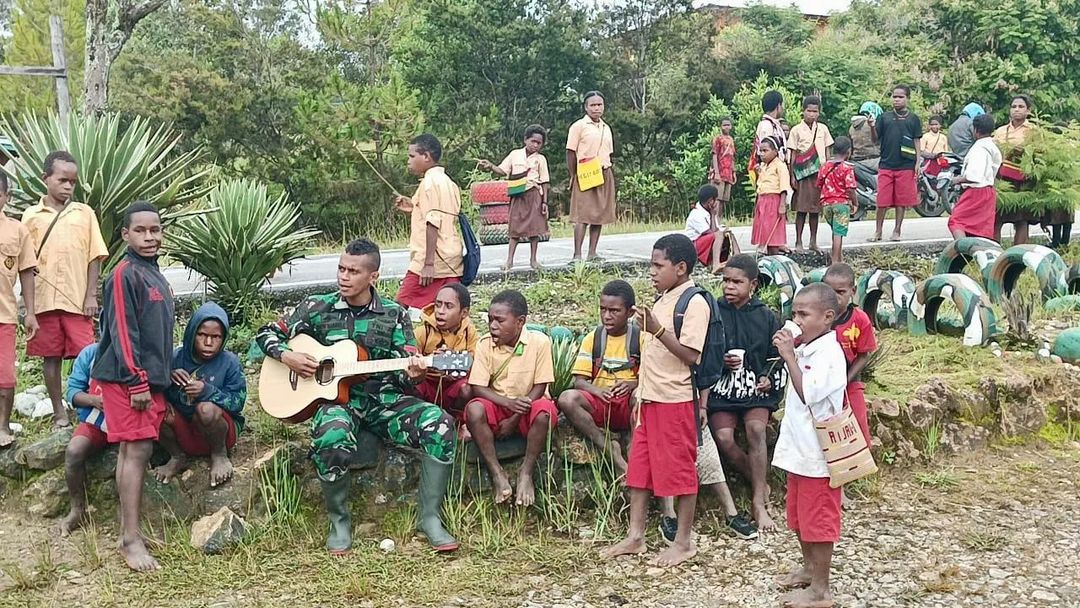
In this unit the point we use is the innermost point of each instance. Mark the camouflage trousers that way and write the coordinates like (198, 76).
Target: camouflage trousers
(401, 419)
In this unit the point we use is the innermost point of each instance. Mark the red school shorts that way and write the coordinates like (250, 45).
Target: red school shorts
(896, 188)
(97, 437)
(125, 423)
(190, 438)
(703, 246)
(7, 356)
(856, 393)
(663, 450)
(614, 414)
(496, 414)
(61, 334)
(813, 509)
(414, 295)
(445, 396)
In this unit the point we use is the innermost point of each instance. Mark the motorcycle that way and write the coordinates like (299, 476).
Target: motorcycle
(937, 194)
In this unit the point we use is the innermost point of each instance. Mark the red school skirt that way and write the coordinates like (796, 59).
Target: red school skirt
(974, 212)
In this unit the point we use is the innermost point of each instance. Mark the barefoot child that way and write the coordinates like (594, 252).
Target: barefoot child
(722, 168)
(19, 261)
(855, 333)
(711, 240)
(606, 374)
(975, 210)
(70, 249)
(836, 181)
(527, 170)
(132, 366)
(817, 371)
(752, 385)
(510, 377)
(665, 442)
(769, 231)
(90, 435)
(445, 325)
(808, 150)
(206, 398)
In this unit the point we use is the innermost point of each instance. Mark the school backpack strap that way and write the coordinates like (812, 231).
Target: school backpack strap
(682, 305)
(599, 346)
(633, 346)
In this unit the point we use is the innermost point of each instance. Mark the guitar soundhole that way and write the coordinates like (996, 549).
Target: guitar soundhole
(325, 374)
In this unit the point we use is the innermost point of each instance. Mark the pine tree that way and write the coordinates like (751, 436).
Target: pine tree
(29, 46)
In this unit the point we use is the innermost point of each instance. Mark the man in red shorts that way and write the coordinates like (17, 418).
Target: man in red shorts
(435, 249)
(606, 374)
(133, 366)
(206, 398)
(899, 133)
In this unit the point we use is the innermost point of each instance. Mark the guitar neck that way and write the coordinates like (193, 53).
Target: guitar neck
(375, 366)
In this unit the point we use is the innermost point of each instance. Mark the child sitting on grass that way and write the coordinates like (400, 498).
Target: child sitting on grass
(836, 180)
(510, 375)
(818, 376)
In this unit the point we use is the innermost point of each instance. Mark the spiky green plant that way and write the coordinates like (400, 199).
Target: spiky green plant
(241, 243)
(563, 353)
(119, 163)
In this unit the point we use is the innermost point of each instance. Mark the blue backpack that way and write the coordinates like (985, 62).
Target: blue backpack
(470, 261)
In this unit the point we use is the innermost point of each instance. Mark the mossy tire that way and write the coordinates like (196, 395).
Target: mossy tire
(1049, 269)
(979, 321)
(783, 272)
(962, 252)
(896, 286)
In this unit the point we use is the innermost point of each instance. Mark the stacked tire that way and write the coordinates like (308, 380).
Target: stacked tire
(494, 204)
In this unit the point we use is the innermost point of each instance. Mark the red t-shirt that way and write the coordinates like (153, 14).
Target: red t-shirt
(835, 180)
(855, 334)
(724, 151)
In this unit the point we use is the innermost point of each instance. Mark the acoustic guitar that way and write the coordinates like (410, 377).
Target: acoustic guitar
(286, 396)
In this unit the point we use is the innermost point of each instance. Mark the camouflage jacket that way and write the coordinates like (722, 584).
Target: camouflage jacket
(382, 327)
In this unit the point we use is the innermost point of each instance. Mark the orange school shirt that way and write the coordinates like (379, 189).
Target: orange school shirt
(590, 139)
(74, 242)
(663, 378)
(529, 364)
(16, 255)
(437, 202)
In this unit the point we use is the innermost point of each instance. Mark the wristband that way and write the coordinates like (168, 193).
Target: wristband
(659, 332)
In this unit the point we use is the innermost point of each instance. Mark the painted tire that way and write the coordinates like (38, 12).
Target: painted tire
(1073, 279)
(978, 317)
(896, 286)
(1067, 303)
(1048, 266)
(495, 213)
(1067, 345)
(540, 327)
(483, 193)
(961, 253)
(558, 332)
(816, 275)
(493, 234)
(783, 272)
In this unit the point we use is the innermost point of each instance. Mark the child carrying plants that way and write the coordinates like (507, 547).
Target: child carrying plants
(808, 149)
(722, 167)
(527, 172)
(836, 180)
(818, 375)
(510, 376)
(17, 248)
(769, 231)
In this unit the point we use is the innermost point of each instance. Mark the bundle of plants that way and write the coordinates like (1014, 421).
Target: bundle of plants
(1049, 161)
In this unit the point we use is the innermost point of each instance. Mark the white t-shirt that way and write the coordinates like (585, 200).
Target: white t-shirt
(981, 163)
(698, 222)
(824, 371)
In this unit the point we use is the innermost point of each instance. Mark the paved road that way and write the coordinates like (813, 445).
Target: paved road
(321, 270)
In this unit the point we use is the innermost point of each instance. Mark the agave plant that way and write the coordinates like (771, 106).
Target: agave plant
(118, 165)
(241, 242)
(563, 352)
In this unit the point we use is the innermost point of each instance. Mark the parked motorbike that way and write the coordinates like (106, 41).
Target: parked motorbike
(937, 194)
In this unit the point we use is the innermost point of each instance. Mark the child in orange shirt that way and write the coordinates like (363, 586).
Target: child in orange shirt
(445, 325)
(17, 253)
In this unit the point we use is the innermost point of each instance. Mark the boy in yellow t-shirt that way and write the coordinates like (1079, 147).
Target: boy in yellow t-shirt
(604, 381)
(18, 262)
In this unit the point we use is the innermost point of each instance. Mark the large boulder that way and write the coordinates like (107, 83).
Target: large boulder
(46, 453)
(47, 496)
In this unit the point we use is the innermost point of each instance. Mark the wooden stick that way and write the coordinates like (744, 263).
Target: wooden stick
(376, 171)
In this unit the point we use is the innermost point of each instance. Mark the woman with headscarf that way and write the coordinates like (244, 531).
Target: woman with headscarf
(864, 150)
(961, 136)
(1011, 137)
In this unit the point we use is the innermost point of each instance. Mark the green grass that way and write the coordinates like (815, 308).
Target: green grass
(939, 480)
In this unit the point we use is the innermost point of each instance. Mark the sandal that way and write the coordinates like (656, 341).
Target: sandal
(874, 239)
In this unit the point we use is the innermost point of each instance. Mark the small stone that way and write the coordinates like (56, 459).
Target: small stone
(998, 573)
(387, 545)
(654, 571)
(214, 532)
(1045, 596)
(1056, 359)
(37, 390)
(16, 428)
(25, 403)
(42, 409)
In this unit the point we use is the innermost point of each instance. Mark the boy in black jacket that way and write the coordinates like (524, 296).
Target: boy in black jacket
(133, 366)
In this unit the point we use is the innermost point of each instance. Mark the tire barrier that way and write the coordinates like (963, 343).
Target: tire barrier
(962, 252)
(494, 213)
(816, 275)
(483, 193)
(896, 286)
(978, 317)
(783, 272)
(1047, 265)
(1067, 303)
(498, 234)
(1073, 279)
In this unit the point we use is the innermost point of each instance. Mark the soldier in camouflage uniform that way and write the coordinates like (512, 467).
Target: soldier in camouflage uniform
(380, 404)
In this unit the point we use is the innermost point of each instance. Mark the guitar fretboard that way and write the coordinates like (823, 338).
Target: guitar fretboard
(379, 366)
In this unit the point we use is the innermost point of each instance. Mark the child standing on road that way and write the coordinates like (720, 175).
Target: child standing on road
(836, 180)
(527, 171)
(769, 231)
(722, 168)
(808, 150)
(17, 251)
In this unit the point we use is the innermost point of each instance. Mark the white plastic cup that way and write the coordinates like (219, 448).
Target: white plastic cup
(793, 328)
(738, 352)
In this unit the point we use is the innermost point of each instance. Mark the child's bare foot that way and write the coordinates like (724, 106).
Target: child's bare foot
(526, 493)
(221, 470)
(764, 521)
(796, 579)
(675, 554)
(628, 546)
(138, 556)
(169, 470)
(73, 521)
(503, 491)
(808, 598)
(815, 248)
(6, 437)
(799, 248)
(617, 458)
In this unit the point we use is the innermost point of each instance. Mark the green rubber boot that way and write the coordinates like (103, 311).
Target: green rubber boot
(336, 497)
(434, 477)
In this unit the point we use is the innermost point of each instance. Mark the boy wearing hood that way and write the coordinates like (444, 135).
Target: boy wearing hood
(206, 398)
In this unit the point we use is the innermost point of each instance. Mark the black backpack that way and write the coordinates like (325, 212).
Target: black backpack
(599, 346)
(706, 373)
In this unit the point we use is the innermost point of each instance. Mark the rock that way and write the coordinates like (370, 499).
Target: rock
(25, 404)
(387, 545)
(161, 502)
(369, 449)
(885, 407)
(291, 451)
(213, 533)
(47, 453)
(15, 427)
(103, 466)
(1045, 596)
(9, 462)
(506, 449)
(961, 438)
(47, 496)
(1022, 411)
(42, 409)
(998, 573)
(38, 390)
(1067, 345)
